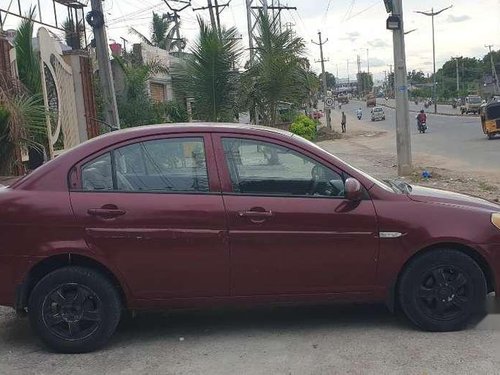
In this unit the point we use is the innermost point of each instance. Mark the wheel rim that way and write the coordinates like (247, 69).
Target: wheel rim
(444, 293)
(72, 311)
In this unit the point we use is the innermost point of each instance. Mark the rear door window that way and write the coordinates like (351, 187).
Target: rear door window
(164, 165)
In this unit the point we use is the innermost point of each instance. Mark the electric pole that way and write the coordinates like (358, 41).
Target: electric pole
(174, 16)
(494, 70)
(212, 15)
(458, 75)
(104, 64)
(403, 135)
(368, 60)
(325, 89)
(254, 7)
(432, 14)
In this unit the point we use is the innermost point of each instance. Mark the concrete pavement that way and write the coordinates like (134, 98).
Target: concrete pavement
(351, 339)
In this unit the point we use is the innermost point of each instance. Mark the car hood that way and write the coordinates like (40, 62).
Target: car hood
(425, 194)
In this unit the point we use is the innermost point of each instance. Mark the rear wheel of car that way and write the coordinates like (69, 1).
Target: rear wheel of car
(443, 290)
(74, 309)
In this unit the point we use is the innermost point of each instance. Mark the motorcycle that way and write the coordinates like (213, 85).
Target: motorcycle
(422, 127)
(359, 116)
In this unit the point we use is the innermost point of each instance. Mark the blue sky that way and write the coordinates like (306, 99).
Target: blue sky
(351, 27)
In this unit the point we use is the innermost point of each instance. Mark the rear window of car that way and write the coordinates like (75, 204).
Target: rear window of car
(165, 165)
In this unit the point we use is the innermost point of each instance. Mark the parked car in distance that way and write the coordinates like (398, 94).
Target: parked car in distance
(187, 216)
(377, 114)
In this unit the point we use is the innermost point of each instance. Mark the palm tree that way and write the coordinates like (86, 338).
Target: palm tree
(162, 33)
(72, 35)
(135, 105)
(28, 64)
(208, 74)
(277, 73)
(22, 113)
(22, 120)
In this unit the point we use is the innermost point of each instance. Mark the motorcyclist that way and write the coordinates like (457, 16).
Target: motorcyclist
(359, 113)
(421, 118)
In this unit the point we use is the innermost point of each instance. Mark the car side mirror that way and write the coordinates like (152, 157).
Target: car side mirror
(353, 189)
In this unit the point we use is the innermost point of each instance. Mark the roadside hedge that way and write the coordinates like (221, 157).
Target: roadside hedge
(305, 127)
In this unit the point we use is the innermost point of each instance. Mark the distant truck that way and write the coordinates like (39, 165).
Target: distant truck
(343, 99)
(371, 100)
(471, 104)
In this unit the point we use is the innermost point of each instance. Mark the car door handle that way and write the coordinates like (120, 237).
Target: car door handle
(256, 217)
(256, 214)
(107, 213)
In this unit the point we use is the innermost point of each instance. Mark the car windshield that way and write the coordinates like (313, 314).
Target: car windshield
(475, 100)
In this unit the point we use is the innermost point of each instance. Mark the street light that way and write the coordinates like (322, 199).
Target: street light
(432, 14)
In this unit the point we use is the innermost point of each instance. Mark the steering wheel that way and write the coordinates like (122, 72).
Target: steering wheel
(316, 175)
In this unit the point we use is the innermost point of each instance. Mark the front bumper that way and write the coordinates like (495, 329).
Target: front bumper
(492, 251)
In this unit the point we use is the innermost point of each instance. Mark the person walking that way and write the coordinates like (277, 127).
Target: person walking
(343, 122)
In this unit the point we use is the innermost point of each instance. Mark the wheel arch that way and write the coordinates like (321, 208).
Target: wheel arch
(54, 262)
(393, 302)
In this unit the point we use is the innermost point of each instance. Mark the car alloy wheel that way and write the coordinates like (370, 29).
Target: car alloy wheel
(444, 293)
(72, 311)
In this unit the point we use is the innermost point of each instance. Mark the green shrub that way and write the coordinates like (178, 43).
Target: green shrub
(305, 127)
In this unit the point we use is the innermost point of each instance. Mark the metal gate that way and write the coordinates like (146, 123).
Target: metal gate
(58, 95)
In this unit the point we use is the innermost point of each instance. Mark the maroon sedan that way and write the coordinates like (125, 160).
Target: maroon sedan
(183, 216)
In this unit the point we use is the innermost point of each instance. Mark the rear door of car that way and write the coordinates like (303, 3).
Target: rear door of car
(154, 209)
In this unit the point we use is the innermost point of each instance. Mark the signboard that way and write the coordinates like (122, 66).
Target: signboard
(329, 103)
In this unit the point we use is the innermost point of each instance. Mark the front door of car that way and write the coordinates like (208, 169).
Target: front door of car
(291, 229)
(153, 209)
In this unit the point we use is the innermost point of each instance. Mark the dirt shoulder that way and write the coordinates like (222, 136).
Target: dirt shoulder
(367, 148)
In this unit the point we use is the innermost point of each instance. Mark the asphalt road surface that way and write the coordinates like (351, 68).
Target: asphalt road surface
(458, 138)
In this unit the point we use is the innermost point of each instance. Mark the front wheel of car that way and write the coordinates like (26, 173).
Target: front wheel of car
(74, 309)
(443, 290)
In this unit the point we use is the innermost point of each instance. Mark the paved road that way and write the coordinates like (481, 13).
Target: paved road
(417, 107)
(363, 339)
(455, 137)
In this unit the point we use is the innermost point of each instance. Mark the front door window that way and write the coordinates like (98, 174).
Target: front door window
(261, 168)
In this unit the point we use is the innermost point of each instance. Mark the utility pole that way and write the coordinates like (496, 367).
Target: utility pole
(212, 15)
(494, 70)
(432, 14)
(325, 89)
(174, 16)
(348, 78)
(254, 7)
(403, 135)
(368, 60)
(104, 64)
(458, 74)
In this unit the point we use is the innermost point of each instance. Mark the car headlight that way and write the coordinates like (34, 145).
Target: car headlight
(495, 219)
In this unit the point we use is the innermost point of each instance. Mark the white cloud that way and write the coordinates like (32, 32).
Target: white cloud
(455, 19)
(378, 43)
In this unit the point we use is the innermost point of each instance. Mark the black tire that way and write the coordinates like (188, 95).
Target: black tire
(74, 309)
(452, 276)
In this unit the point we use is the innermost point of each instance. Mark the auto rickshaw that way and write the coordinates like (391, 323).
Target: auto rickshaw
(490, 119)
